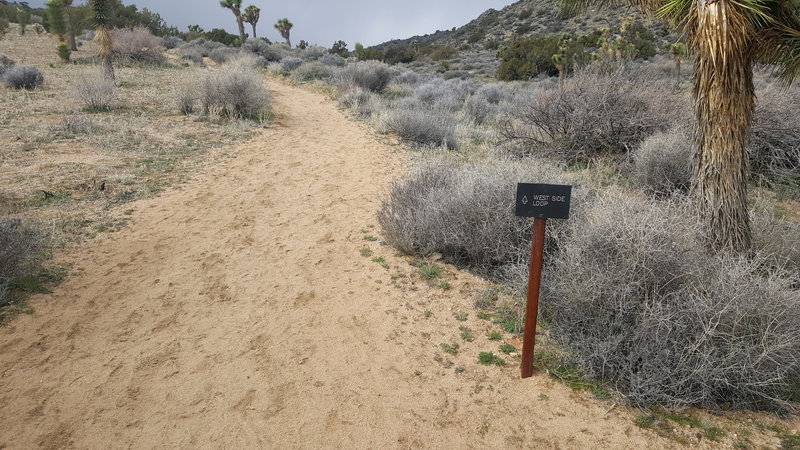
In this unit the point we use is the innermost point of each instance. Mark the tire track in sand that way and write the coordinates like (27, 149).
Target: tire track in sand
(236, 311)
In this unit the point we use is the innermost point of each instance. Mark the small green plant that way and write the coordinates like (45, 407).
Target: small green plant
(466, 334)
(63, 52)
(370, 238)
(444, 285)
(494, 335)
(461, 316)
(507, 348)
(381, 261)
(483, 315)
(490, 359)
(451, 349)
(460, 369)
(366, 252)
(430, 271)
(427, 314)
(543, 397)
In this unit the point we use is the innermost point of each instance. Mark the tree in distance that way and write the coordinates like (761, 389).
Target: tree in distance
(284, 27)
(728, 38)
(251, 15)
(236, 8)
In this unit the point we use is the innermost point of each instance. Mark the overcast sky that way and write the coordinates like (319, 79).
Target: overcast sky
(325, 21)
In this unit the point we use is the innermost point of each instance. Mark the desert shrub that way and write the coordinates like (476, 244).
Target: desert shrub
(290, 63)
(407, 77)
(370, 75)
(311, 71)
(3, 26)
(465, 212)
(492, 93)
(236, 90)
(663, 163)
(95, 91)
(191, 54)
(271, 52)
(201, 46)
(256, 46)
(527, 58)
(774, 145)
(595, 113)
(332, 60)
(636, 300)
(222, 55)
(171, 42)
(19, 247)
(479, 110)
(23, 77)
(363, 102)
(77, 124)
(776, 239)
(63, 51)
(138, 45)
(313, 53)
(422, 125)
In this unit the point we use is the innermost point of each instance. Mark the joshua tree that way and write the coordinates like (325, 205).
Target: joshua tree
(560, 62)
(236, 8)
(678, 51)
(23, 19)
(284, 26)
(302, 45)
(251, 16)
(74, 17)
(100, 14)
(727, 37)
(55, 14)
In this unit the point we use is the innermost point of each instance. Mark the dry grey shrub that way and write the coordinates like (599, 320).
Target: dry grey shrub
(774, 146)
(332, 60)
(663, 162)
(370, 75)
(19, 246)
(222, 55)
(407, 77)
(595, 113)
(23, 77)
(95, 91)
(236, 90)
(479, 110)
(421, 124)
(5, 64)
(191, 54)
(138, 45)
(636, 300)
(363, 103)
(290, 63)
(465, 212)
(312, 53)
(77, 124)
(171, 42)
(311, 71)
(201, 46)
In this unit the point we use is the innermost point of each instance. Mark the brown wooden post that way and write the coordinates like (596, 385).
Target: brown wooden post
(532, 306)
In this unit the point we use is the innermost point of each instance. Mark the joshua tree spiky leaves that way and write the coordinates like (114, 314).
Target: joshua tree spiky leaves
(100, 15)
(727, 37)
(236, 8)
(251, 15)
(284, 26)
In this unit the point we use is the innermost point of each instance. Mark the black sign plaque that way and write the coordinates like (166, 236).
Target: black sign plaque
(543, 201)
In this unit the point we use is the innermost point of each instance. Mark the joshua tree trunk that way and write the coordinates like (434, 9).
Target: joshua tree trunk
(105, 49)
(242, 37)
(254, 30)
(724, 102)
(677, 59)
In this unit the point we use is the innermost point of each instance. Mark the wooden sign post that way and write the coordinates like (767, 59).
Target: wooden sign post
(542, 202)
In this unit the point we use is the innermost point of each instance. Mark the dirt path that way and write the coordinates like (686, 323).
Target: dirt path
(238, 312)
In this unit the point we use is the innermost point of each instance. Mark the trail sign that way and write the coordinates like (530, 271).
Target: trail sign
(545, 201)
(540, 201)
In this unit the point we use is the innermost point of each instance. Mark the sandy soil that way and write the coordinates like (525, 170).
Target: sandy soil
(238, 311)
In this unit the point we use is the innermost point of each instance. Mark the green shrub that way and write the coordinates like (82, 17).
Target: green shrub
(527, 58)
(63, 52)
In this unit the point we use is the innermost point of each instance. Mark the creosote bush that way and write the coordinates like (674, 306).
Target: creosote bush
(23, 77)
(663, 163)
(95, 91)
(646, 308)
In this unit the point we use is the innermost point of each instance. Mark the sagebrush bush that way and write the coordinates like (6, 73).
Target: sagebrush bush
(635, 299)
(19, 246)
(236, 91)
(171, 42)
(407, 77)
(95, 91)
(191, 54)
(311, 71)
(290, 63)
(138, 45)
(663, 162)
(465, 212)
(774, 145)
(222, 55)
(363, 102)
(256, 46)
(332, 60)
(479, 110)
(312, 53)
(422, 125)
(23, 77)
(370, 75)
(595, 113)
(201, 46)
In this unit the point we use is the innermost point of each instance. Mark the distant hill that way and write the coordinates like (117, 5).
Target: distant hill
(527, 18)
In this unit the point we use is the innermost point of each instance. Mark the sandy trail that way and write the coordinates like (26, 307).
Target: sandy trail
(237, 312)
